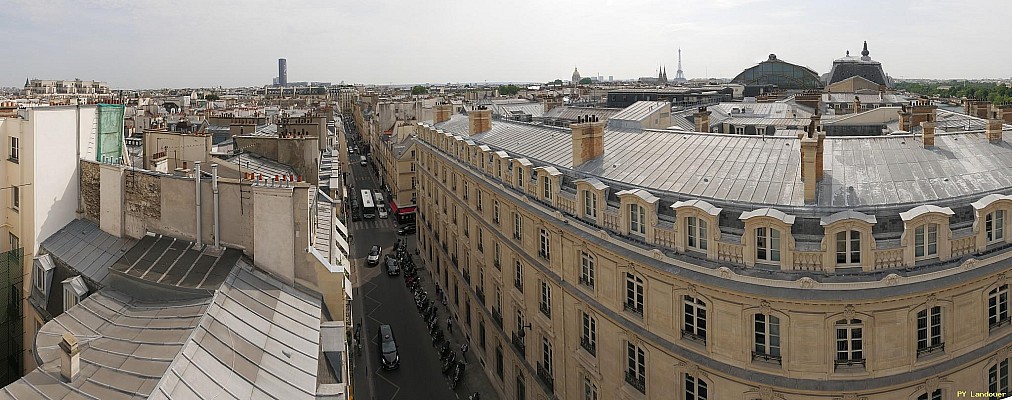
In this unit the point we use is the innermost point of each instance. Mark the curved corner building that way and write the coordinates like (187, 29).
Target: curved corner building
(598, 263)
(779, 73)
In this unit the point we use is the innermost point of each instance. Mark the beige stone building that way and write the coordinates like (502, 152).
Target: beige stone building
(592, 263)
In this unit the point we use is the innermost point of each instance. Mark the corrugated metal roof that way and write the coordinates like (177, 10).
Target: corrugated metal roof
(859, 171)
(640, 110)
(572, 113)
(250, 162)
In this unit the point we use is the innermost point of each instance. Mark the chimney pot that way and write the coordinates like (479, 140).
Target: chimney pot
(70, 358)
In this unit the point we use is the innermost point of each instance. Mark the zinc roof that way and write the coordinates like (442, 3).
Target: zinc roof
(859, 171)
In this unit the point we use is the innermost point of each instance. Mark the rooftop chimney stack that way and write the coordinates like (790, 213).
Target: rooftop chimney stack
(1004, 112)
(588, 139)
(479, 120)
(994, 127)
(922, 111)
(857, 104)
(928, 133)
(702, 119)
(904, 119)
(812, 147)
(70, 357)
(443, 111)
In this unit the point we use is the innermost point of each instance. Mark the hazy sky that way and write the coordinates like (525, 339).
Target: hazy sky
(188, 43)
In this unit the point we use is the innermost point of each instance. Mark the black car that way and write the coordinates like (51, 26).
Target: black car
(388, 348)
(406, 229)
(392, 267)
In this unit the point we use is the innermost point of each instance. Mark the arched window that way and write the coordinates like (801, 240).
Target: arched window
(587, 269)
(929, 331)
(997, 378)
(695, 388)
(997, 307)
(694, 319)
(633, 293)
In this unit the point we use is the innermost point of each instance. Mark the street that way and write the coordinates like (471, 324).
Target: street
(384, 299)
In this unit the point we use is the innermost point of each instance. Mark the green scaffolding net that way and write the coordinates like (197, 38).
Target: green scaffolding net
(110, 133)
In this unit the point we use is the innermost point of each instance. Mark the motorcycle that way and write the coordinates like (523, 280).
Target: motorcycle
(448, 366)
(474, 396)
(458, 373)
(444, 350)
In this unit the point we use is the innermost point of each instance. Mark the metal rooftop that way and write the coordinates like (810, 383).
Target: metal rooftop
(862, 172)
(83, 246)
(175, 262)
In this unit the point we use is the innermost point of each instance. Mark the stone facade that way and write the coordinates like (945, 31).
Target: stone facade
(143, 194)
(91, 193)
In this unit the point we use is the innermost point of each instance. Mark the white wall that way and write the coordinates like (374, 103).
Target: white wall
(54, 152)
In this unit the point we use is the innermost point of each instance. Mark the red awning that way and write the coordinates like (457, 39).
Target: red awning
(404, 210)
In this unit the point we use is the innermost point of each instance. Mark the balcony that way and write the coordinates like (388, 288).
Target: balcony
(586, 282)
(516, 236)
(589, 346)
(636, 380)
(518, 342)
(692, 336)
(635, 309)
(849, 363)
(545, 309)
(497, 318)
(1000, 323)
(543, 254)
(938, 348)
(546, 377)
(766, 357)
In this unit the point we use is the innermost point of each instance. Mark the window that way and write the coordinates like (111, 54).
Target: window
(926, 241)
(997, 307)
(70, 297)
(546, 299)
(497, 256)
(739, 130)
(589, 204)
(767, 338)
(453, 182)
(695, 389)
(412, 167)
(467, 222)
(633, 293)
(767, 244)
(518, 226)
(481, 240)
(935, 395)
(15, 197)
(590, 389)
(929, 331)
(498, 361)
(14, 149)
(39, 277)
(495, 211)
(544, 250)
(15, 242)
(481, 334)
(694, 325)
(637, 219)
(848, 247)
(547, 185)
(994, 226)
(588, 340)
(518, 277)
(520, 178)
(695, 233)
(636, 367)
(478, 201)
(586, 269)
(849, 345)
(997, 378)
(546, 358)
(521, 388)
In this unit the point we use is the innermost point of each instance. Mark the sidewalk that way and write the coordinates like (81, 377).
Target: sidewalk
(475, 379)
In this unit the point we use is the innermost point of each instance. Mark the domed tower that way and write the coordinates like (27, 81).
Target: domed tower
(576, 76)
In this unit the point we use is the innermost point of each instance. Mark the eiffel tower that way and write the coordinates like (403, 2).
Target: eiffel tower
(679, 76)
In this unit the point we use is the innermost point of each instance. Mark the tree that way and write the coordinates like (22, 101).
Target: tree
(211, 97)
(557, 81)
(419, 89)
(509, 90)
(586, 81)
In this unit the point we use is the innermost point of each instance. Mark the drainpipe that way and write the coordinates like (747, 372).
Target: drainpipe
(196, 180)
(217, 221)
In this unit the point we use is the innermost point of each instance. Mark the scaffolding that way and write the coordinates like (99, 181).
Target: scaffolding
(110, 133)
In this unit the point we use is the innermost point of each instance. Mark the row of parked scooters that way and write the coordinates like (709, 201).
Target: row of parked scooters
(427, 309)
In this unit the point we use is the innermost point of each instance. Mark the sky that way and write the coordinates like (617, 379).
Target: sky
(134, 44)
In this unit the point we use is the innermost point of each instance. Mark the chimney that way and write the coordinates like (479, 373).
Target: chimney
(922, 111)
(552, 102)
(982, 108)
(928, 133)
(702, 119)
(588, 139)
(904, 119)
(1004, 112)
(443, 111)
(994, 126)
(812, 147)
(479, 120)
(70, 357)
(857, 104)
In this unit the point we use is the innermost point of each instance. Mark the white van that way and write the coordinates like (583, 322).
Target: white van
(362, 161)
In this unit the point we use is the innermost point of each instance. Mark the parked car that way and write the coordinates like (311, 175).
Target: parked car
(374, 255)
(406, 229)
(382, 212)
(392, 267)
(389, 359)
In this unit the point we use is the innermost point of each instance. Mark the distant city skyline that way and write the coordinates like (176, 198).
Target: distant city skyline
(191, 44)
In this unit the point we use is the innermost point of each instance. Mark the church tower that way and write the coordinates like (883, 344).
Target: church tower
(576, 76)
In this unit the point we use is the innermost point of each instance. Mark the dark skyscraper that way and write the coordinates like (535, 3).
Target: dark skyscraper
(282, 72)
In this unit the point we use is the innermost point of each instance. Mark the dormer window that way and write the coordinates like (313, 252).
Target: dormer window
(74, 290)
(848, 247)
(926, 241)
(767, 244)
(637, 219)
(994, 226)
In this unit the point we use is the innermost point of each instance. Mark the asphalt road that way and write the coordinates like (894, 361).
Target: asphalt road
(384, 299)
